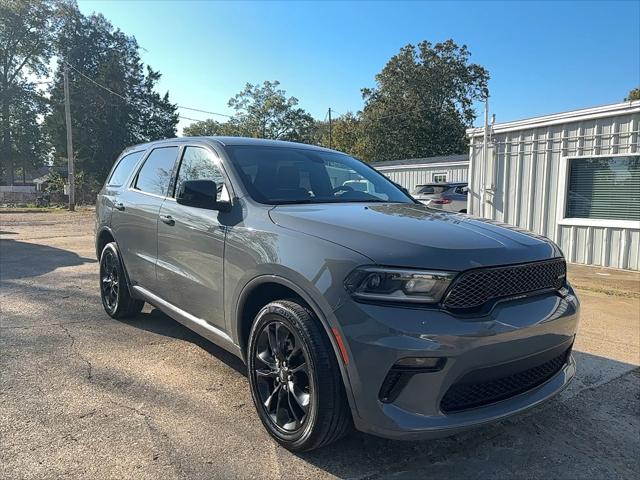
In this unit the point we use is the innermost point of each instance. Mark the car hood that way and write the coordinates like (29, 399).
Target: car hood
(413, 235)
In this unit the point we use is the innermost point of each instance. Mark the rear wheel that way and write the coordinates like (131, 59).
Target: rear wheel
(114, 290)
(295, 379)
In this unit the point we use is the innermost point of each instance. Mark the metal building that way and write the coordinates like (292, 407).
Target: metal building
(573, 177)
(418, 171)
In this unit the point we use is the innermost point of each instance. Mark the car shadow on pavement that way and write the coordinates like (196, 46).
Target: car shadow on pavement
(24, 259)
(158, 322)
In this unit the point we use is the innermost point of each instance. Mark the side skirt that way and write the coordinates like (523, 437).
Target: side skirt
(196, 324)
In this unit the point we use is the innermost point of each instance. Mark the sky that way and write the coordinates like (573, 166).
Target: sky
(543, 57)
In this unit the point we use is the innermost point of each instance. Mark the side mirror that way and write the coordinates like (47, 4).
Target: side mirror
(202, 194)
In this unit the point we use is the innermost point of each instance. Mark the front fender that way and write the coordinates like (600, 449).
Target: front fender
(322, 310)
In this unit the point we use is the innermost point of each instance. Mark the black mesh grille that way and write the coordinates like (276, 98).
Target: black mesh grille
(462, 396)
(477, 287)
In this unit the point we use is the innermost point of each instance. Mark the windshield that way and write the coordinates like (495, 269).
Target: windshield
(277, 175)
(429, 189)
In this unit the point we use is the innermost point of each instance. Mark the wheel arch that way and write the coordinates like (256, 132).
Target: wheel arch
(104, 236)
(280, 285)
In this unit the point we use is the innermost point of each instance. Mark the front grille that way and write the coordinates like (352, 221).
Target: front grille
(474, 288)
(463, 396)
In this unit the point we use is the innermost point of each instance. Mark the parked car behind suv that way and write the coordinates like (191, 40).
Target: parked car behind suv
(451, 197)
(350, 306)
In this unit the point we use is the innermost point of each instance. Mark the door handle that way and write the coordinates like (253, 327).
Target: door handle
(168, 219)
(118, 206)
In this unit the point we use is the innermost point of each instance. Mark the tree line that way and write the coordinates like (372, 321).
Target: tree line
(36, 38)
(420, 106)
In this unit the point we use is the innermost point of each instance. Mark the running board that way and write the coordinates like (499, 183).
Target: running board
(198, 325)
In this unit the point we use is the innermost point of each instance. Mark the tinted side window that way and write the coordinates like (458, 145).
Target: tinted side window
(199, 164)
(124, 168)
(155, 175)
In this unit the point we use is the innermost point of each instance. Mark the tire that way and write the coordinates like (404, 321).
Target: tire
(464, 210)
(277, 356)
(114, 288)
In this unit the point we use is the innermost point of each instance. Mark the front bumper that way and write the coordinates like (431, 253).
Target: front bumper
(378, 336)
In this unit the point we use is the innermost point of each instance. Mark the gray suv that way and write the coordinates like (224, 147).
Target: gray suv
(350, 306)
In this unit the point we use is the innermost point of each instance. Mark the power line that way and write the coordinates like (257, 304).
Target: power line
(189, 118)
(205, 111)
(126, 99)
(96, 83)
(178, 106)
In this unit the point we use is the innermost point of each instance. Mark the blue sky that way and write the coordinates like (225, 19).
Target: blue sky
(543, 57)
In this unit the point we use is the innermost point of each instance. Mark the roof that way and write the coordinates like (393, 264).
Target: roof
(428, 161)
(43, 173)
(234, 141)
(562, 117)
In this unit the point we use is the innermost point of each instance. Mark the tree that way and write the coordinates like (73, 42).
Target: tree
(422, 102)
(29, 147)
(633, 95)
(104, 122)
(346, 134)
(211, 128)
(27, 30)
(262, 111)
(265, 112)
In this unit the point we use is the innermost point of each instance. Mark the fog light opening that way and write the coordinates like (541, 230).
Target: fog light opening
(426, 364)
(402, 371)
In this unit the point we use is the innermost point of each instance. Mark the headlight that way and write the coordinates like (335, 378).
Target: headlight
(397, 285)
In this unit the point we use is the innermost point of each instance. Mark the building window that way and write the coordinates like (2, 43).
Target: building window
(439, 177)
(604, 188)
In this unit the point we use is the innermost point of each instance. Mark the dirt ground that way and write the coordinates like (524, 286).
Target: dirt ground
(86, 396)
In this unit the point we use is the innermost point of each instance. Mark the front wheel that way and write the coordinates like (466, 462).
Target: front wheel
(114, 290)
(295, 379)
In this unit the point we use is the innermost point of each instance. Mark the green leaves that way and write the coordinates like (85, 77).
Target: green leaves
(104, 123)
(423, 102)
(633, 95)
(262, 111)
(421, 106)
(27, 29)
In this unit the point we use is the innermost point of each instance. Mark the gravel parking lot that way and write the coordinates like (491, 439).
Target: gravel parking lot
(86, 396)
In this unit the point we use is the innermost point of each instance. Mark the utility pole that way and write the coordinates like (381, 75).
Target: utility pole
(330, 143)
(485, 156)
(67, 118)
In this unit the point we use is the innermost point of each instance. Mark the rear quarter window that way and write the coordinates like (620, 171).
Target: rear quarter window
(124, 168)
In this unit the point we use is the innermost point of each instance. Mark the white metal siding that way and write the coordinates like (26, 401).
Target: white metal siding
(410, 176)
(522, 174)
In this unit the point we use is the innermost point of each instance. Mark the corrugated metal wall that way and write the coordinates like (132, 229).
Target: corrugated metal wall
(409, 177)
(522, 182)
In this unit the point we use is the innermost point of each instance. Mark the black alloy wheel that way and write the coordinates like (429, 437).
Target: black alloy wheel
(282, 374)
(114, 287)
(109, 281)
(295, 379)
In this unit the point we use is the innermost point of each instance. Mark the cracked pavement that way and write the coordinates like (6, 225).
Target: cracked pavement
(86, 396)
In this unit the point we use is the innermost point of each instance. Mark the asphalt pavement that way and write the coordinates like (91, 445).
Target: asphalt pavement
(86, 396)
